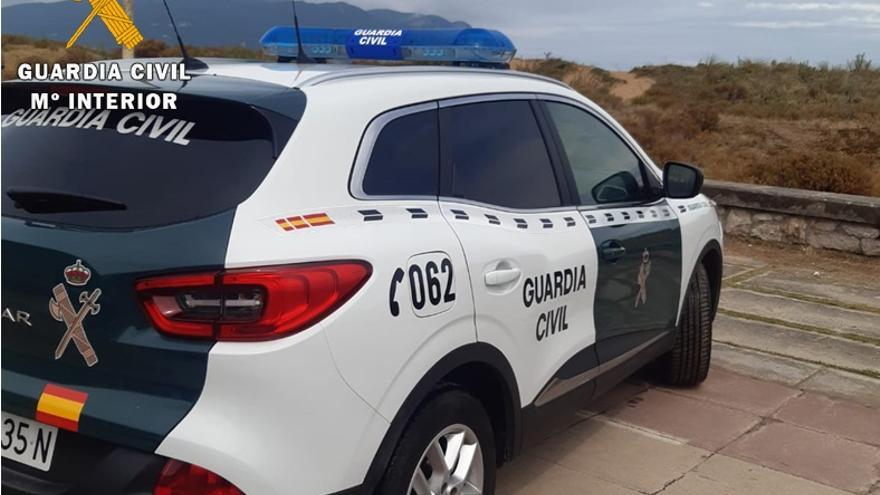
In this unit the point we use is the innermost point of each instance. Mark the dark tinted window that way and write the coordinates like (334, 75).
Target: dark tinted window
(605, 169)
(405, 160)
(499, 156)
(155, 167)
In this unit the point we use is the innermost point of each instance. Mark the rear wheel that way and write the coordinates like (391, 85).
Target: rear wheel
(688, 362)
(447, 449)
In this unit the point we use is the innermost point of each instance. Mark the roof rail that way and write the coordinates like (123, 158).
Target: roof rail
(395, 70)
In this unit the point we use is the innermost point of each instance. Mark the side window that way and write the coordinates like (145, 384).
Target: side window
(405, 160)
(605, 169)
(499, 156)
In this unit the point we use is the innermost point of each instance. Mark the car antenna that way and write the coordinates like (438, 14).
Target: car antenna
(301, 56)
(190, 63)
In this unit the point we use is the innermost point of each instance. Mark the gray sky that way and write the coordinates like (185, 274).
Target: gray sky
(626, 33)
(621, 34)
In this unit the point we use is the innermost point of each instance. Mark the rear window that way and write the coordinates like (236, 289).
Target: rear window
(152, 168)
(406, 158)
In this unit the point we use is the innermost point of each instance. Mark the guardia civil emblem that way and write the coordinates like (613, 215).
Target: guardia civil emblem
(644, 271)
(62, 309)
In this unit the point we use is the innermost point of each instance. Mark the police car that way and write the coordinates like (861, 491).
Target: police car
(327, 278)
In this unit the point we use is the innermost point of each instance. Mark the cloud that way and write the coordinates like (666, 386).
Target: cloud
(815, 6)
(869, 20)
(705, 5)
(781, 24)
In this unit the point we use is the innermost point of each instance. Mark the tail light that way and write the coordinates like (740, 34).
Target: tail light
(180, 478)
(250, 304)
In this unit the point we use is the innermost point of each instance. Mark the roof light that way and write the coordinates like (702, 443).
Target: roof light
(470, 46)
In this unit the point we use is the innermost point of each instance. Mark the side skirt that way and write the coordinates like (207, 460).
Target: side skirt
(554, 408)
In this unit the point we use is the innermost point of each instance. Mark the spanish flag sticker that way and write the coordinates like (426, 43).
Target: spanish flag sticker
(284, 224)
(298, 222)
(318, 219)
(61, 407)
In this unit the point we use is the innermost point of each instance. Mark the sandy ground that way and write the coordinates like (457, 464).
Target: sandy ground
(631, 86)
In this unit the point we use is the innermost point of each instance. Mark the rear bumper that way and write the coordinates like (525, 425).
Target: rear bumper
(86, 466)
(275, 415)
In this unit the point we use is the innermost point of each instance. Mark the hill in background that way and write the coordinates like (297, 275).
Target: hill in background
(776, 123)
(237, 23)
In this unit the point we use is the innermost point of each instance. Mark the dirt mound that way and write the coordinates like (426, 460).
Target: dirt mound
(630, 85)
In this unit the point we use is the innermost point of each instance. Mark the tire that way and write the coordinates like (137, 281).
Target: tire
(688, 362)
(449, 412)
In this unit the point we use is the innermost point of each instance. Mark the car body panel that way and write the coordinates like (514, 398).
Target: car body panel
(315, 409)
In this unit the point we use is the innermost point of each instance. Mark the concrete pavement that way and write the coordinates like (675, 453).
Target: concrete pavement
(791, 405)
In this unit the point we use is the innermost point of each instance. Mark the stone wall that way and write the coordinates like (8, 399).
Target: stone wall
(824, 220)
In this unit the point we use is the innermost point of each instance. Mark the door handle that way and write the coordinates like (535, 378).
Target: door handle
(612, 250)
(502, 277)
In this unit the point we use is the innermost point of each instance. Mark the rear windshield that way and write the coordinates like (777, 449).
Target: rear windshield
(142, 169)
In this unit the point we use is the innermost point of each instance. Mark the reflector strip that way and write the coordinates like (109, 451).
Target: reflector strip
(61, 407)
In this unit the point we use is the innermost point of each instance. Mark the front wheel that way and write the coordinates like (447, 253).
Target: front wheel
(688, 361)
(447, 449)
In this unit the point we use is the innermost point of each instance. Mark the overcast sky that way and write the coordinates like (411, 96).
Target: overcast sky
(619, 34)
(624, 33)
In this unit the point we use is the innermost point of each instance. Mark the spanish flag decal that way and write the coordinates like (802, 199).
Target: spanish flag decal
(284, 224)
(303, 222)
(298, 222)
(318, 219)
(61, 407)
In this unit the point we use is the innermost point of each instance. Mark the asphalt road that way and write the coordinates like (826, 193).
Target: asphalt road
(791, 405)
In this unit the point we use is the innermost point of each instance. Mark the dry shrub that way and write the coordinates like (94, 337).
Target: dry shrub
(705, 116)
(595, 85)
(549, 66)
(78, 55)
(822, 171)
(151, 48)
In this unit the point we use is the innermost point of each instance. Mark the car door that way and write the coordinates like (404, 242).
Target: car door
(636, 234)
(531, 260)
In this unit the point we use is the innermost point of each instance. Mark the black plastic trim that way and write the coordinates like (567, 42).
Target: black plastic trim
(480, 353)
(716, 272)
(87, 466)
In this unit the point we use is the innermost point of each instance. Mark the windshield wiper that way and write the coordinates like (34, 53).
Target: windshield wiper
(46, 201)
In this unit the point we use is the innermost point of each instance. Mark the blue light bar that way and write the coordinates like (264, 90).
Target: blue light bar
(470, 46)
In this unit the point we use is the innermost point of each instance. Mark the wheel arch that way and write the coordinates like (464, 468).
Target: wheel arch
(712, 259)
(482, 370)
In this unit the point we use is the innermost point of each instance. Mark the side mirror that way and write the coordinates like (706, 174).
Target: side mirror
(681, 181)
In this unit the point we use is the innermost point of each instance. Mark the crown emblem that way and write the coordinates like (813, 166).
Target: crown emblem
(77, 274)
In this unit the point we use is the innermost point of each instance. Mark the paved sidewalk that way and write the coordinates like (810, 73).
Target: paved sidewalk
(791, 405)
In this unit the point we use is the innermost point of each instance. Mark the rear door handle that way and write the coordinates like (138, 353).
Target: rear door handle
(502, 277)
(612, 250)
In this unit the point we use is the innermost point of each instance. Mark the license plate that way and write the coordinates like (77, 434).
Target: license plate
(28, 442)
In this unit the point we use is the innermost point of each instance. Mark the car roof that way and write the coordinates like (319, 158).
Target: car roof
(295, 75)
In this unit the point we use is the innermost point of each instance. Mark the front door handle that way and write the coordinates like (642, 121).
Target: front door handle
(504, 276)
(612, 250)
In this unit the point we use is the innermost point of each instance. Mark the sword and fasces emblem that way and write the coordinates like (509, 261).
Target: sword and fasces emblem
(644, 271)
(117, 21)
(61, 308)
